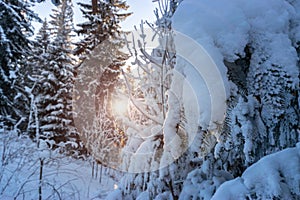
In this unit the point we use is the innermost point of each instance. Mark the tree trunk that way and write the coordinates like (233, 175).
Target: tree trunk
(41, 178)
(94, 6)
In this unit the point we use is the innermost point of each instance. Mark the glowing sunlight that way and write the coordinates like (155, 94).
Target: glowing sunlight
(120, 106)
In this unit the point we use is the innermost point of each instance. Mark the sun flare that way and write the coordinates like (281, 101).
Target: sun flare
(120, 106)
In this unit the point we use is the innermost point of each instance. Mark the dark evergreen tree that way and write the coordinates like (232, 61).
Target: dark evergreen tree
(57, 79)
(102, 23)
(15, 29)
(55, 2)
(43, 38)
(37, 62)
(100, 56)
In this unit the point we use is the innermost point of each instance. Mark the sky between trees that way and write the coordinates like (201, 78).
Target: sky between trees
(142, 10)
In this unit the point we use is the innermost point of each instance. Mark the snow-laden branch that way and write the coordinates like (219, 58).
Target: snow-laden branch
(136, 103)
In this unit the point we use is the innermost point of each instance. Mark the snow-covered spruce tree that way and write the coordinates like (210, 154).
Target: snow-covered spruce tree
(56, 82)
(100, 63)
(15, 30)
(263, 114)
(42, 39)
(103, 19)
(273, 82)
(265, 118)
(103, 22)
(37, 61)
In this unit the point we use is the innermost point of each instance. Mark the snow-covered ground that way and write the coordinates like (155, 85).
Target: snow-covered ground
(62, 178)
